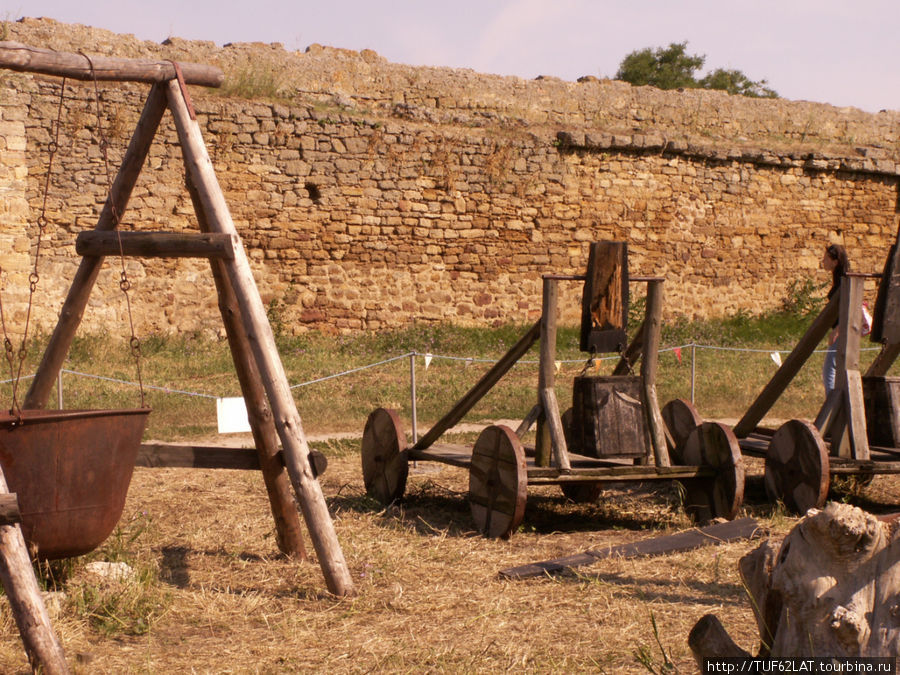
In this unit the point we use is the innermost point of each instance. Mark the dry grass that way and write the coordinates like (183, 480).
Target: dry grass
(216, 597)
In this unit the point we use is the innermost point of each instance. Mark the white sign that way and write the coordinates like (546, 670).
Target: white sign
(232, 415)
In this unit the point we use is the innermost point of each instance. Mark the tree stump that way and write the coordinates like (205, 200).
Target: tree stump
(833, 589)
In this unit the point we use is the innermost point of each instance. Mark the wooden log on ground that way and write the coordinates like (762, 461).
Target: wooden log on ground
(718, 533)
(44, 649)
(831, 590)
(24, 58)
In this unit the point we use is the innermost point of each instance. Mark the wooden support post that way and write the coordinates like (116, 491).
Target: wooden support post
(44, 649)
(789, 369)
(885, 359)
(482, 387)
(649, 367)
(265, 436)
(265, 352)
(848, 435)
(551, 439)
(83, 283)
(632, 353)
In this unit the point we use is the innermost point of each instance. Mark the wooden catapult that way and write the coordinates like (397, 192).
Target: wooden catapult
(614, 432)
(856, 432)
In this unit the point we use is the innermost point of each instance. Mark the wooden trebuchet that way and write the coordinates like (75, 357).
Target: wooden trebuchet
(830, 590)
(24, 58)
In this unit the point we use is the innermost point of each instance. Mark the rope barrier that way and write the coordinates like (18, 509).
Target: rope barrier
(169, 390)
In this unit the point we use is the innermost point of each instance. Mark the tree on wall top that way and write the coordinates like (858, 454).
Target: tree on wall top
(672, 68)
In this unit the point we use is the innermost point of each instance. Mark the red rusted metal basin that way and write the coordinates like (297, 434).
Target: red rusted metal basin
(70, 470)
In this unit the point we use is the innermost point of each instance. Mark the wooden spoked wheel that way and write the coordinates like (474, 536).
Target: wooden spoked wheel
(498, 482)
(714, 445)
(582, 492)
(797, 467)
(384, 457)
(680, 418)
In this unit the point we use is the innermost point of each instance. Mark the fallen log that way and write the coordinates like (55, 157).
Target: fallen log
(831, 589)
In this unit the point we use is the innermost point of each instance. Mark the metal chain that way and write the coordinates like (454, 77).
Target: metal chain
(124, 283)
(33, 277)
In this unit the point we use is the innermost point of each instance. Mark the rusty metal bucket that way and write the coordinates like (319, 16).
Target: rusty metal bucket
(71, 470)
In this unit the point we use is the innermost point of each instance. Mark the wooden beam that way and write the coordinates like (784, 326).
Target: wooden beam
(24, 58)
(83, 282)
(9, 509)
(482, 387)
(171, 455)
(789, 369)
(156, 245)
(265, 352)
(551, 439)
(848, 436)
(688, 540)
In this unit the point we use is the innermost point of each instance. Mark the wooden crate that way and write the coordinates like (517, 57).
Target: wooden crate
(608, 417)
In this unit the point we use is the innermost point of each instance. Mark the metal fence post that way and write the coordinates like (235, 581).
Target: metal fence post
(59, 394)
(693, 368)
(412, 394)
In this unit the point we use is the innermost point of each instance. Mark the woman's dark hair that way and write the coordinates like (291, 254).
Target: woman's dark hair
(839, 254)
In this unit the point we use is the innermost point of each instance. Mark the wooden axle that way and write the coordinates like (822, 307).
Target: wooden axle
(24, 58)
(156, 244)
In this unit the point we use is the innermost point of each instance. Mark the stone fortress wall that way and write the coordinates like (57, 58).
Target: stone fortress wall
(371, 194)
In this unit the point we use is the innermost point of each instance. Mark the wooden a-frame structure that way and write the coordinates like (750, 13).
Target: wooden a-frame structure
(272, 412)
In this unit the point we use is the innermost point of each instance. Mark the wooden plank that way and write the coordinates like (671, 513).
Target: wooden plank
(83, 282)
(265, 353)
(156, 244)
(695, 538)
(24, 58)
(482, 387)
(44, 649)
(445, 453)
(789, 369)
(636, 472)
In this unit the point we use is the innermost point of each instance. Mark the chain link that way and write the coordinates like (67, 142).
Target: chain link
(124, 282)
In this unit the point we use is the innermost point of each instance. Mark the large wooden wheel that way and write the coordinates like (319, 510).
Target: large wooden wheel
(713, 445)
(680, 418)
(582, 492)
(797, 467)
(384, 457)
(498, 482)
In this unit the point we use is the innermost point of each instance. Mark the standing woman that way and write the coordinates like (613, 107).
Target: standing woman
(835, 261)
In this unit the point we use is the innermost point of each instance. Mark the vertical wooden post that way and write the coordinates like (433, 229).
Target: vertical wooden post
(550, 434)
(262, 343)
(265, 436)
(44, 650)
(83, 283)
(649, 367)
(848, 437)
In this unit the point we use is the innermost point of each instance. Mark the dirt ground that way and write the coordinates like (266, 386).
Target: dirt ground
(220, 598)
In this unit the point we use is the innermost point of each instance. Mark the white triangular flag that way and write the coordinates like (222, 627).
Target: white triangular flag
(427, 361)
(776, 357)
(558, 364)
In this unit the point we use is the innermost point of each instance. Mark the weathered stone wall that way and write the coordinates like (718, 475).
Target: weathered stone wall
(374, 194)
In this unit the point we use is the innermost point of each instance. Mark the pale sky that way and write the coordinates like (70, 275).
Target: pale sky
(843, 52)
